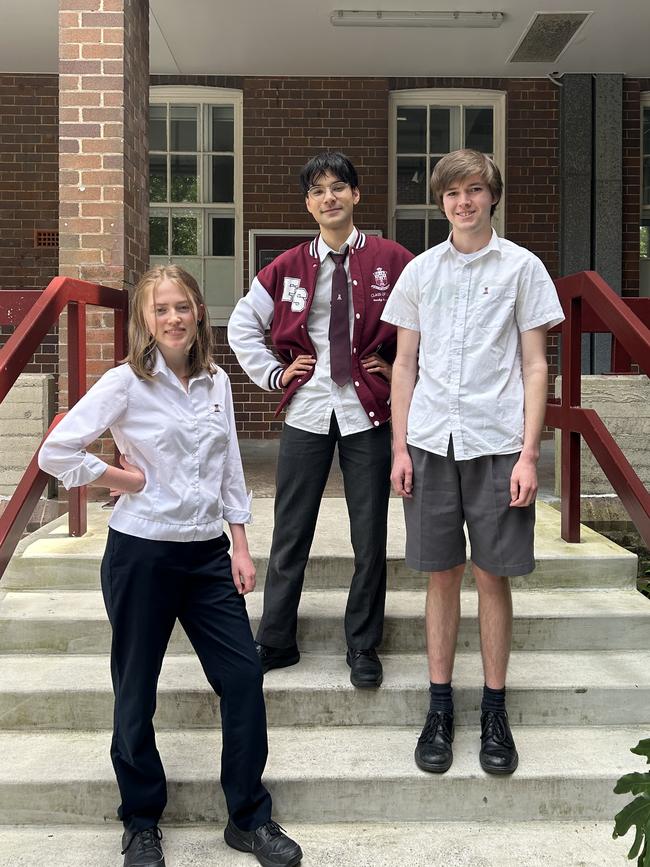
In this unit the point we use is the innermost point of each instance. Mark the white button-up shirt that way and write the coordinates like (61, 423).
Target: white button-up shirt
(185, 443)
(469, 315)
(312, 405)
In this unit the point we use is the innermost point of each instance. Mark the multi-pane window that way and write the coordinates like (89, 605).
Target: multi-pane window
(195, 188)
(645, 196)
(425, 125)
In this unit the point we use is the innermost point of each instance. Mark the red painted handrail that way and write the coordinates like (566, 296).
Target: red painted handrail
(627, 320)
(15, 355)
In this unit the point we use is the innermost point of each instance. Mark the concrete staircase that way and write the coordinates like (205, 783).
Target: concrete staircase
(341, 764)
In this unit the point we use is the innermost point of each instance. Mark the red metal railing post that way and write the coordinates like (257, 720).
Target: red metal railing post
(77, 497)
(571, 395)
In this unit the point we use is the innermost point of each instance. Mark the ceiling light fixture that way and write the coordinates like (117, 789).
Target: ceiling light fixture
(380, 18)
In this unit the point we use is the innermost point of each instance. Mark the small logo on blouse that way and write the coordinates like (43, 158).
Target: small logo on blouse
(485, 291)
(217, 407)
(381, 284)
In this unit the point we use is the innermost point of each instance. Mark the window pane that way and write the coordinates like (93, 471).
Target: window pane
(411, 181)
(223, 236)
(194, 266)
(185, 235)
(223, 169)
(646, 132)
(184, 179)
(157, 178)
(158, 127)
(158, 236)
(223, 128)
(439, 131)
(478, 129)
(438, 232)
(644, 238)
(411, 130)
(183, 127)
(410, 234)
(219, 289)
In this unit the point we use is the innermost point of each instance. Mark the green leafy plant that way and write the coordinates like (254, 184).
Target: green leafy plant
(637, 812)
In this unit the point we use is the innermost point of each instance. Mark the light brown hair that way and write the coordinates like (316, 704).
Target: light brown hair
(461, 164)
(142, 344)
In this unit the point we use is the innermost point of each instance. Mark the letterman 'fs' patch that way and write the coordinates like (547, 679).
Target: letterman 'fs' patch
(293, 292)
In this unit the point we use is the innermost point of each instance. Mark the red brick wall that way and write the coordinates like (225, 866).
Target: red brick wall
(28, 192)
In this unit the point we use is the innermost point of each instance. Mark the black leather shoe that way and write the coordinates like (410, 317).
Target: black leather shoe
(433, 752)
(143, 848)
(498, 753)
(365, 668)
(277, 657)
(268, 843)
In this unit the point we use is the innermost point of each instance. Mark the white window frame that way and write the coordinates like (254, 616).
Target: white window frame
(443, 97)
(188, 95)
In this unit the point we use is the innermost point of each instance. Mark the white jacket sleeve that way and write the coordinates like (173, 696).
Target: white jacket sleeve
(63, 454)
(248, 322)
(236, 500)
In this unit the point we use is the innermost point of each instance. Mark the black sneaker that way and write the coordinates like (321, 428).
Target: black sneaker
(268, 843)
(498, 753)
(366, 671)
(433, 752)
(277, 657)
(143, 848)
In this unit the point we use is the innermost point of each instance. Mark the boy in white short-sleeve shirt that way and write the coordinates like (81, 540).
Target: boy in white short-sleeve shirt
(468, 401)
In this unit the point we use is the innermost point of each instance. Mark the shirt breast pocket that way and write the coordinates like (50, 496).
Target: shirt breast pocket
(217, 427)
(493, 305)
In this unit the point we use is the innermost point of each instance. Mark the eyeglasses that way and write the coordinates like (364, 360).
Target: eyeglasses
(336, 189)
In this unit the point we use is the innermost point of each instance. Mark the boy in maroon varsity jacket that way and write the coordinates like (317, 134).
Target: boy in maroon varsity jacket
(323, 302)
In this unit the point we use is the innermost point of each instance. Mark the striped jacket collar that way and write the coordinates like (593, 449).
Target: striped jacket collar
(318, 250)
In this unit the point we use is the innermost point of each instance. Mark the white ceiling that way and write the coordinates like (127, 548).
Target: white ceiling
(295, 37)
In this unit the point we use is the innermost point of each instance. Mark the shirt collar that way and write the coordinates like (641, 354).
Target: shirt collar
(324, 250)
(494, 244)
(160, 366)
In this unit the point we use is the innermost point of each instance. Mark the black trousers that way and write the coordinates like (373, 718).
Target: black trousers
(304, 463)
(147, 585)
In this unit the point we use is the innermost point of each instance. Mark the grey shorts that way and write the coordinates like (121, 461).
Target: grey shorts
(448, 493)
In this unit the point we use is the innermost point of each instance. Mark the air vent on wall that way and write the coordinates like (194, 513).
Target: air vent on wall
(46, 238)
(547, 35)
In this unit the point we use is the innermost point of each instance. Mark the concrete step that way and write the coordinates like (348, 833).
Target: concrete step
(75, 621)
(337, 774)
(49, 558)
(544, 689)
(427, 844)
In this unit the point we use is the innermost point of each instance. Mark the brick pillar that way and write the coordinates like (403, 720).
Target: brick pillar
(103, 156)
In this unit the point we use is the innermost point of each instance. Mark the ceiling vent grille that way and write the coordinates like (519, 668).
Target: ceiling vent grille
(44, 238)
(547, 36)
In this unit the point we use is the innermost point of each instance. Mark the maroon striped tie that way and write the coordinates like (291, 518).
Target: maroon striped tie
(339, 322)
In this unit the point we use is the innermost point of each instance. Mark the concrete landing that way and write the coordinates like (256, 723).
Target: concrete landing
(50, 558)
(457, 844)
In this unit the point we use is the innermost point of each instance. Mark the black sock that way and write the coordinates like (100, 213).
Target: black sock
(441, 697)
(493, 699)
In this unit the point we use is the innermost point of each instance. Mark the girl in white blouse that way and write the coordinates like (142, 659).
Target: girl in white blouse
(170, 411)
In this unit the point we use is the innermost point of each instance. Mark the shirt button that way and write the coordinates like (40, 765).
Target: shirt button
(354, 283)
(354, 349)
(371, 414)
(356, 383)
(358, 315)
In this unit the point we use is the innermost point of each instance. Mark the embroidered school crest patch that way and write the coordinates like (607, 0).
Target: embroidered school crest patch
(299, 300)
(380, 278)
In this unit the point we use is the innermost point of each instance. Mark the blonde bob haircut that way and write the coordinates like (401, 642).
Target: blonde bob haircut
(461, 164)
(142, 344)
